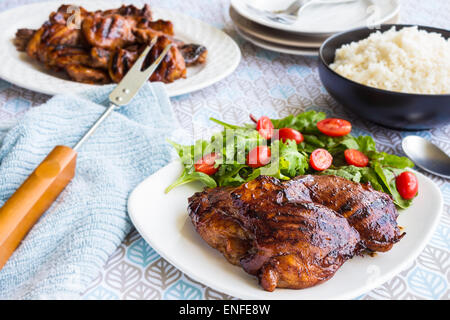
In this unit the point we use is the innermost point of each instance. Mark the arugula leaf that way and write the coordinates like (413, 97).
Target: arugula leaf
(188, 154)
(305, 122)
(365, 144)
(391, 160)
(387, 176)
(291, 161)
(190, 175)
(239, 142)
(313, 141)
(229, 175)
(356, 174)
(286, 162)
(288, 158)
(332, 144)
(350, 173)
(226, 125)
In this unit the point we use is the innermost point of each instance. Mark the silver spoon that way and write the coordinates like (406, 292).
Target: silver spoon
(427, 156)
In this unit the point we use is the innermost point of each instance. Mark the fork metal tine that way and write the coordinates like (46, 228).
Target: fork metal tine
(140, 61)
(135, 78)
(127, 88)
(155, 64)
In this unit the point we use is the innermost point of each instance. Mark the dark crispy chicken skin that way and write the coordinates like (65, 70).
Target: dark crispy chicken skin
(100, 58)
(52, 35)
(87, 75)
(163, 26)
(120, 62)
(65, 11)
(114, 28)
(286, 245)
(218, 228)
(60, 56)
(371, 212)
(22, 38)
(130, 10)
(289, 233)
(109, 31)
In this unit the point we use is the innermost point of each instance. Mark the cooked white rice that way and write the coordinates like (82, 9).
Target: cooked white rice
(408, 60)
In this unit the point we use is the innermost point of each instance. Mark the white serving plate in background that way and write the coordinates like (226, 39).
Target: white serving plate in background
(323, 19)
(16, 67)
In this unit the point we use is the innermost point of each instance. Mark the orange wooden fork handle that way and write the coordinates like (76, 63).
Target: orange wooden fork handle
(34, 197)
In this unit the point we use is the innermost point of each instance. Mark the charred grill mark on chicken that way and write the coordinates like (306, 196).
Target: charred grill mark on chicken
(371, 212)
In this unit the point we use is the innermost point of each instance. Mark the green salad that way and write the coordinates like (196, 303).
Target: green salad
(307, 143)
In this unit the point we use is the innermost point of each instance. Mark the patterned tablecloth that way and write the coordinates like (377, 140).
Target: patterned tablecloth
(277, 85)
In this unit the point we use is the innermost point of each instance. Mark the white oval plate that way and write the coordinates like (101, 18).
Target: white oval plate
(16, 67)
(274, 35)
(278, 47)
(278, 37)
(163, 222)
(322, 19)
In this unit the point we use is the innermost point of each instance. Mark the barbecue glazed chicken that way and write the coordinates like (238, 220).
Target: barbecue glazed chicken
(294, 234)
(106, 44)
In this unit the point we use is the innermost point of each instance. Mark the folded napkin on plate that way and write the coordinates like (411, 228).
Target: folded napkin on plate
(65, 250)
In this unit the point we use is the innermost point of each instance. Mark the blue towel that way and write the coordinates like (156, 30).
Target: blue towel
(71, 242)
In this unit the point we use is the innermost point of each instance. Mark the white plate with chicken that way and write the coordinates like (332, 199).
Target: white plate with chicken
(163, 221)
(68, 47)
(311, 212)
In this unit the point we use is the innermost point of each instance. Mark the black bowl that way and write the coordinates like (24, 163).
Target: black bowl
(388, 108)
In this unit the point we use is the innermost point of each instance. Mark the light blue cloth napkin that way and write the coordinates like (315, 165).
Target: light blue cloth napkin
(65, 250)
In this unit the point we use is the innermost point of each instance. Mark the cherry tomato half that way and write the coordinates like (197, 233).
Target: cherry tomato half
(290, 134)
(259, 156)
(206, 164)
(407, 185)
(356, 158)
(334, 127)
(265, 127)
(320, 159)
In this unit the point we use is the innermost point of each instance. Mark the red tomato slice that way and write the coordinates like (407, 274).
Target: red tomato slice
(320, 159)
(356, 158)
(334, 127)
(265, 127)
(407, 185)
(206, 164)
(290, 134)
(259, 156)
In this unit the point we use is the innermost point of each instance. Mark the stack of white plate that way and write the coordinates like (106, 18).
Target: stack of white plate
(314, 24)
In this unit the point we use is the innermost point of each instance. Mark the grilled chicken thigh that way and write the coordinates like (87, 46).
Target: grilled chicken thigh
(50, 36)
(86, 74)
(294, 234)
(66, 12)
(100, 58)
(109, 31)
(22, 38)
